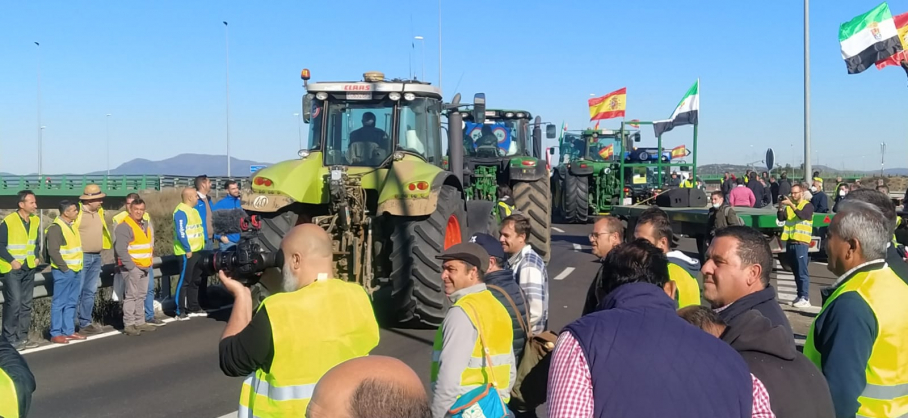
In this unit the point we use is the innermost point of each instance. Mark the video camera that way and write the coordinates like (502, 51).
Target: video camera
(245, 261)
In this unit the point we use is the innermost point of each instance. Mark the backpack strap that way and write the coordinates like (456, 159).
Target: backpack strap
(523, 325)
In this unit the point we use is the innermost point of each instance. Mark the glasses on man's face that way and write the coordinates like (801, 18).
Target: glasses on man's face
(596, 235)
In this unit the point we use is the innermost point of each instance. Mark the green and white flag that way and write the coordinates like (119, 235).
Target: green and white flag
(684, 114)
(869, 38)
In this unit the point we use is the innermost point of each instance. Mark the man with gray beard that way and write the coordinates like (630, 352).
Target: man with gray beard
(312, 325)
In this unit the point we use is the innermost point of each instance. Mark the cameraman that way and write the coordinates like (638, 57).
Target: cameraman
(296, 336)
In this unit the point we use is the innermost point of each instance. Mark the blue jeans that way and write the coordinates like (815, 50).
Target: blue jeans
(149, 298)
(63, 304)
(91, 279)
(797, 257)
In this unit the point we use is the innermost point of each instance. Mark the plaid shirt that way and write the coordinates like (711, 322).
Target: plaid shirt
(570, 391)
(530, 273)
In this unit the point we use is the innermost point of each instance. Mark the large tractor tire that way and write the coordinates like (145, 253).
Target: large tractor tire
(556, 186)
(534, 200)
(417, 288)
(274, 227)
(576, 199)
(481, 218)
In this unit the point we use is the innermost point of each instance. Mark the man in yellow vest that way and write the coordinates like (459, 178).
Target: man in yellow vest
(150, 317)
(19, 247)
(134, 253)
(188, 240)
(860, 338)
(16, 382)
(298, 334)
(505, 204)
(95, 236)
(64, 249)
(476, 329)
(797, 213)
(654, 226)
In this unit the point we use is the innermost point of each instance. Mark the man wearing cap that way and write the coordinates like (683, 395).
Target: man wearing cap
(475, 324)
(96, 237)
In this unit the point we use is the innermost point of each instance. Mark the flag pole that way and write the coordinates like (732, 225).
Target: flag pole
(659, 177)
(694, 170)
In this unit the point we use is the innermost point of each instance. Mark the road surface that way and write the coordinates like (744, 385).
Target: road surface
(174, 371)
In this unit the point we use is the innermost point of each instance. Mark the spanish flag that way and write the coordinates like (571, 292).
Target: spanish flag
(611, 105)
(679, 151)
(901, 24)
(607, 151)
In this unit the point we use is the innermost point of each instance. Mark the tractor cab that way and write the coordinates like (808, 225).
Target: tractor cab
(502, 135)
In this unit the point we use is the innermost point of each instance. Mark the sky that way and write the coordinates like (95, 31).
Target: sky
(158, 68)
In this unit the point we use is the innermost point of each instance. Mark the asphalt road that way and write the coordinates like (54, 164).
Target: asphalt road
(174, 371)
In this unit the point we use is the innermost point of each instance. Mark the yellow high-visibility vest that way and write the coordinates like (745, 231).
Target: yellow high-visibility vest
(71, 251)
(686, 184)
(339, 325)
(105, 232)
(886, 391)
(795, 228)
(20, 243)
(120, 217)
(498, 332)
(140, 249)
(194, 230)
(688, 288)
(9, 402)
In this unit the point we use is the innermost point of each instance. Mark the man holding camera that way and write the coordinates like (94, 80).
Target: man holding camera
(296, 336)
(797, 213)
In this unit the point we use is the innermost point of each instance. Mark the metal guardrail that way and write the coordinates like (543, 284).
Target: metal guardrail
(44, 281)
(72, 185)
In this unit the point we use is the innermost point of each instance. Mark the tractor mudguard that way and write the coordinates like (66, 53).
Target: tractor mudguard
(577, 168)
(285, 186)
(521, 172)
(399, 199)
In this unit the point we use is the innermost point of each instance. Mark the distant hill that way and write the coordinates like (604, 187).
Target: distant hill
(186, 165)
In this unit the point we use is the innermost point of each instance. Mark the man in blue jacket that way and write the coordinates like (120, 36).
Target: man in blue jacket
(231, 201)
(204, 206)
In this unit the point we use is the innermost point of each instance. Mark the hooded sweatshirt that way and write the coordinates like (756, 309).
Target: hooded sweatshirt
(796, 387)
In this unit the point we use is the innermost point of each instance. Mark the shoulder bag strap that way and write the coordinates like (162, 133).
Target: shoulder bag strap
(523, 325)
(485, 351)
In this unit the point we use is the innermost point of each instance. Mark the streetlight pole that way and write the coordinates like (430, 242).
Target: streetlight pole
(423, 46)
(227, 73)
(808, 170)
(299, 127)
(40, 128)
(439, 44)
(108, 144)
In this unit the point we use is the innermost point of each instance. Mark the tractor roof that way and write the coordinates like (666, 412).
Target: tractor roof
(375, 82)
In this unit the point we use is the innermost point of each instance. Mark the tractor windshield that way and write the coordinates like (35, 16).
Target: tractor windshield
(495, 138)
(602, 148)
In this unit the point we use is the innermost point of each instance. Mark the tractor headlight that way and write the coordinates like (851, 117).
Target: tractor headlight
(409, 96)
(394, 96)
(321, 95)
(303, 153)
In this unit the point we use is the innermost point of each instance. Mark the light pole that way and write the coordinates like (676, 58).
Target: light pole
(299, 127)
(423, 46)
(227, 73)
(882, 157)
(439, 44)
(40, 128)
(108, 144)
(807, 169)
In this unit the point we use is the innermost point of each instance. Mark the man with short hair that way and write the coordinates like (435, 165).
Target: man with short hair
(653, 225)
(529, 269)
(736, 277)
(797, 213)
(895, 253)
(296, 335)
(96, 237)
(150, 317)
(188, 240)
(499, 279)
(795, 386)
(774, 188)
(741, 196)
(608, 233)
(843, 190)
(64, 248)
(634, 357)
(728, 183)
(134, 252)
(229, 202)
(858, 339)
(203, 206)
(367, 387)
(784, 185)
(757, 188)
(720, 214)
(505, 204)
(19, 248)
(820, 200)
(476, 327)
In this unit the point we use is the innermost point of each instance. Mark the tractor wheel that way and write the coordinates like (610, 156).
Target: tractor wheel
(557, 190)
(417, 289)
(576, 199)
(274, 227)
(533, 199)
(481, 218)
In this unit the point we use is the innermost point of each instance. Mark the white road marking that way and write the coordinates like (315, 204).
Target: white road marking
(558, 230)
(567, 271)
(576, 247)
(230, 415)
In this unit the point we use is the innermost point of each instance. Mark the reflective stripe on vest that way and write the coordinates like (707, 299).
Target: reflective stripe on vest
(498, 332)
(106, 241)
(342, 326)
(686, 184)
(886, 390)
(71, 250)
(688, 288)
(9, 402)
(194, 231)
(506, 208)
(139, 248)
(21, 243)
(795, 228)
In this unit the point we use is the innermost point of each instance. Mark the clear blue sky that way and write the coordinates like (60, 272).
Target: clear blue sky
(158, 68)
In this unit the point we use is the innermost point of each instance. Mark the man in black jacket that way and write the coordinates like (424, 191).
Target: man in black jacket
(797, 389)
(13, 365)
(784, 185)
(755, 186)
(736, 276)
(728, 183)
(774, 189)
(500, 281)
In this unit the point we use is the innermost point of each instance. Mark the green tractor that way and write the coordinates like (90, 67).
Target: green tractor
(503, 151)
(586, 181)
(372, 177)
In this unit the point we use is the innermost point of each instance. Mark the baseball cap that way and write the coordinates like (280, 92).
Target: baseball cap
(469, 252)
(490, 244)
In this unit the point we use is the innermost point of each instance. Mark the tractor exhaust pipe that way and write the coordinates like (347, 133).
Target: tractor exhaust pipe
(455, 139)
(537, 137)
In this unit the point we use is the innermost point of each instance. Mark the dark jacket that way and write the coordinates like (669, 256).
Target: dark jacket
(767, 195)
(227, 203)
(764, 302)
(504, 279)
(727, 185)
(721, 217)
(784, 187)
(797, 389)
(755, 186)
(645, 361)
(820, 202)
(14, 365)
(774, 189)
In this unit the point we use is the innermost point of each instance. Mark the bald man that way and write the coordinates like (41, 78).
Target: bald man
(188, 240)
(366, 387)
(298, 334)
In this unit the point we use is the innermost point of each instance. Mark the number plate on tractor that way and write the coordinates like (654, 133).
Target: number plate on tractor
(359, 96)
